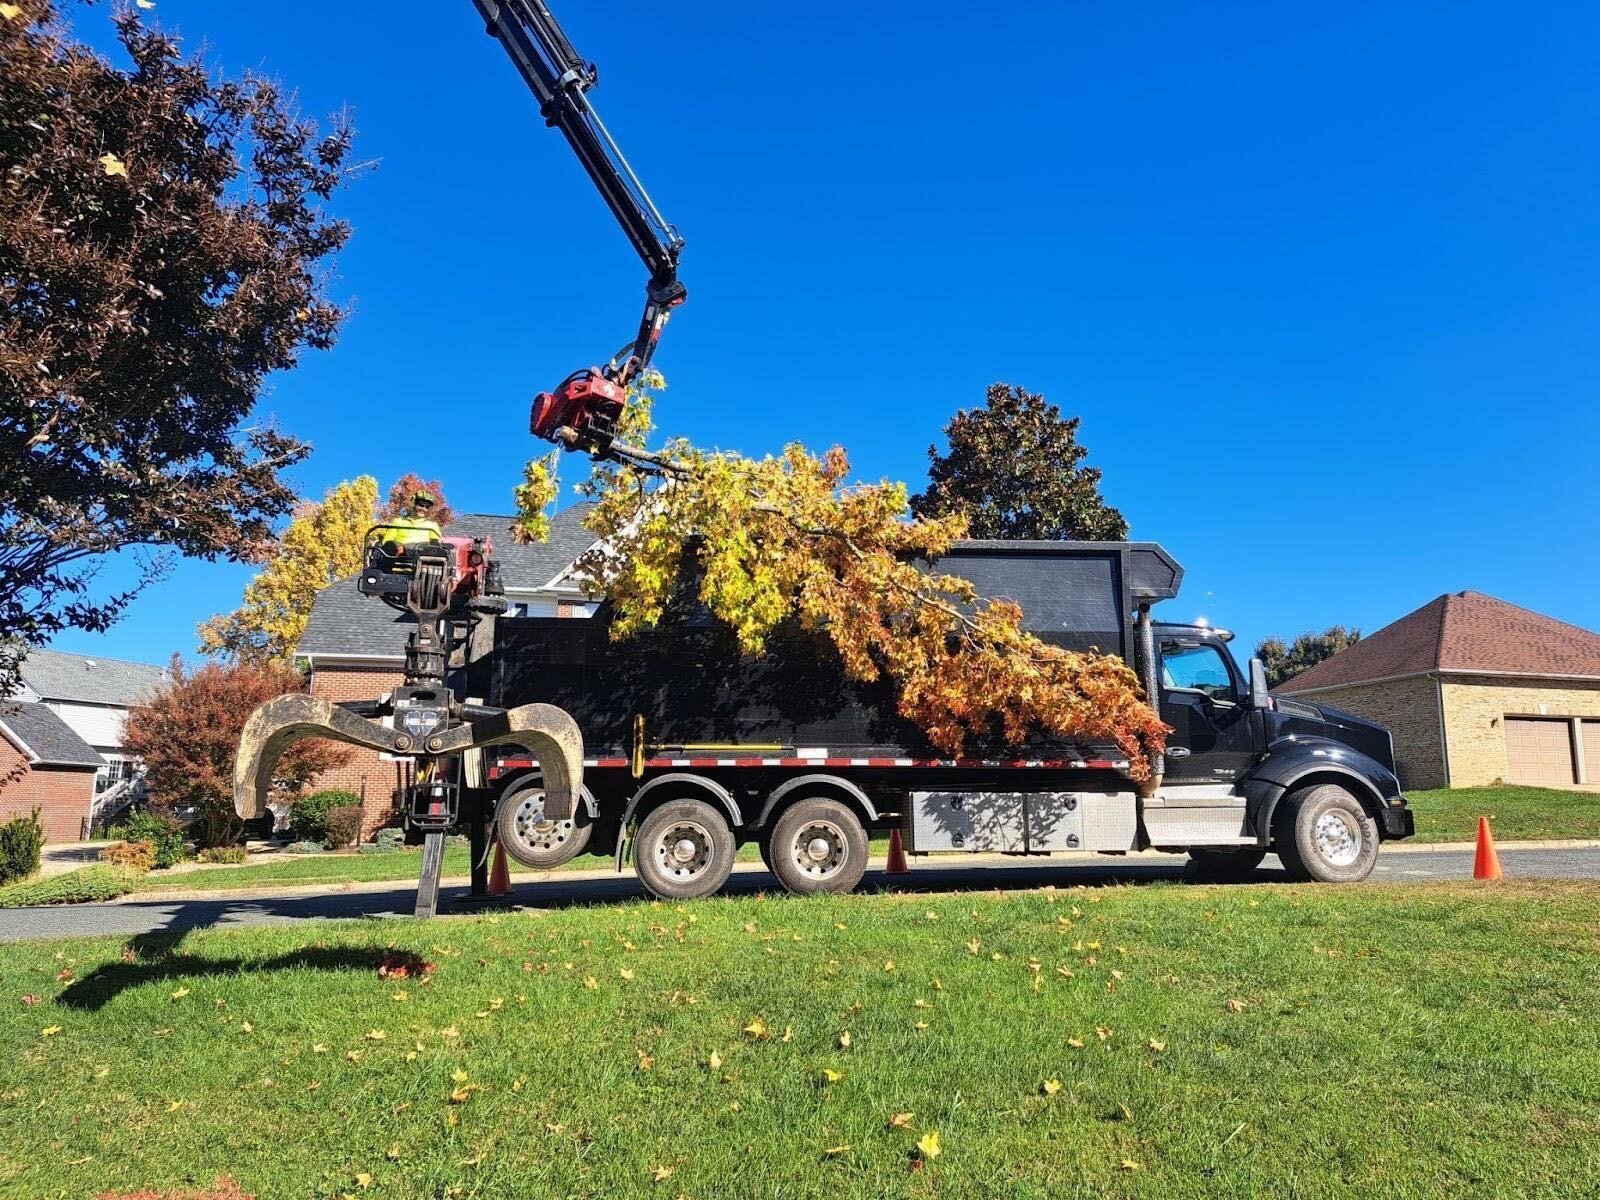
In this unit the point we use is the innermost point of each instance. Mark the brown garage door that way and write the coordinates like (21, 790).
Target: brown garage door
(1539, 751)
(1591, 749)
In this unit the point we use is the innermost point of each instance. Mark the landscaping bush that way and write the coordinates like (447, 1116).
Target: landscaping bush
(304, 847)
(83, 886)
(386, 841)
(224, 854)
(20, 842)
(310, 814)
(136, 856)
(344, 826)
(161, 829)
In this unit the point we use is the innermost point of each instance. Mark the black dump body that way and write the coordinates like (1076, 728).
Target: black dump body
(694, 689)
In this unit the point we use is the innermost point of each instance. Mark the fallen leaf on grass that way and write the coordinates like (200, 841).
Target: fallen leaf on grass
(974, 946)
(112, 164)
(832, 1076)
(844, 1040)
(319, 1048)
(1103, 1033)
(50, 1031)
(400, 997)
(660, 1173)
(1158, 1047)
(174, 1105)
(591, 983)
(180, 993)
(353, 1055)
(900, 1120)
(645, 1060)
(626, 974)
(715, 1061)
(835, 1151)
(889, 966)
(247, 1027)
(1075, 1042)
(928, 1145)
(1050, 1087)
(788, 1033)
(374, 1035)
(1129, 1165)
(313, 1086)
(393, 1152)
(758, 1030)
(363, 1179)
(459, 1076)
(920, 1026)
(919, 1002)
(30, 998)
(1234, 1006)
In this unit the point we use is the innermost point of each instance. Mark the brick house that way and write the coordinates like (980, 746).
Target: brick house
(60, 775)
(354, 645)
(1475, 691)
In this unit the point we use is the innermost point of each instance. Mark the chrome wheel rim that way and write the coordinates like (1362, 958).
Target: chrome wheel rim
(819, 849)
(684, 850)
(1337, 838)
(534, 832)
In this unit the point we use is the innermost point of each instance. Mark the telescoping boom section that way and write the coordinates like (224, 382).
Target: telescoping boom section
(582, 411)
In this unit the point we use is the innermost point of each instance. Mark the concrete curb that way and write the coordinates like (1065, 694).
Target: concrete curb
(183, 895)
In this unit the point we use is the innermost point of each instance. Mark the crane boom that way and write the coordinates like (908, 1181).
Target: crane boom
(582, 411)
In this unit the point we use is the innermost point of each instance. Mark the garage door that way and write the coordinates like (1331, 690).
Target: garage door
(1539, 751)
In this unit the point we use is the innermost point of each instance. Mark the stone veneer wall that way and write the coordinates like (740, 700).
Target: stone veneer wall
(1409, 709)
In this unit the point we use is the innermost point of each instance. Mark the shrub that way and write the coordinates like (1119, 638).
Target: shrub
(310, 814)
(160, 828)
(305, 847)
(20, 842)
(136, 856)
(344, 826)
(391, 837)
(224, 854)
(83, 886)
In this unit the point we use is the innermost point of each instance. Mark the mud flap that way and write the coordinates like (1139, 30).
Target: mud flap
(549, 734)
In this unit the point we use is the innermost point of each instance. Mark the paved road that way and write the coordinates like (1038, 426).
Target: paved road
(150, 916)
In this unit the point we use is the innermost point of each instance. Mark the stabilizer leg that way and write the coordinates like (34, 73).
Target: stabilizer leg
(428, 881)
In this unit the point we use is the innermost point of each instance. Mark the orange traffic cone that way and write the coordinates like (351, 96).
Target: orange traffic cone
(1487, 865)
(499, 873)
(897, 855)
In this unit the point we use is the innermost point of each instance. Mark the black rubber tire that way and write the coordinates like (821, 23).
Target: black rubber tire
(561, 842)
(818, 820)
(1329, 854)
(657, 839)
(1224, 866)
(764, 848)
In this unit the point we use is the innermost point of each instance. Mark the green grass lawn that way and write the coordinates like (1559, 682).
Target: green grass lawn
(1451, 814)
(1207, 1041)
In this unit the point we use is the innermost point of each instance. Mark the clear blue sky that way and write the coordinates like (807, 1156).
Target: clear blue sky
(1323, 285)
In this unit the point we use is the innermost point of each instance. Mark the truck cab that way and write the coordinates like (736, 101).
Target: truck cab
(1237, 752)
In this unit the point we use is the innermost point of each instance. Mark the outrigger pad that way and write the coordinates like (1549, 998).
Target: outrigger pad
(547, 732)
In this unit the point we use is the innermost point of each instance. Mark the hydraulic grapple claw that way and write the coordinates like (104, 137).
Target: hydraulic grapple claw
(547, 732)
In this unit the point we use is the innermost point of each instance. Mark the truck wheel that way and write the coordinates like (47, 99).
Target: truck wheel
(533, 841)
(818, 846)
(1224, 866)
(683, 849)
(1323, 835)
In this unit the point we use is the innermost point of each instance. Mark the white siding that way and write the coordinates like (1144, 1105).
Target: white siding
(96, 724)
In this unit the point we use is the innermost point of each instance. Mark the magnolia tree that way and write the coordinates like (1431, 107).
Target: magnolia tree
(790, 539)
(188, 736)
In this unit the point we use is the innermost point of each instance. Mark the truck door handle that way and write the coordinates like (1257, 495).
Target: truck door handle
(1177, 752)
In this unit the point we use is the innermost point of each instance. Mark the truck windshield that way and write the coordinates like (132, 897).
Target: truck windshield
(1196, 669)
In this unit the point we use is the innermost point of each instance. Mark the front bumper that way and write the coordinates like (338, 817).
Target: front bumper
(1397, 819)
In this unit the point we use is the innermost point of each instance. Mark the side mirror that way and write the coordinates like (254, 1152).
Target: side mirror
(1260, 696)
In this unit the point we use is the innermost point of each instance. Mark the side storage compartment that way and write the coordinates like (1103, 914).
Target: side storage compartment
(1021, 822)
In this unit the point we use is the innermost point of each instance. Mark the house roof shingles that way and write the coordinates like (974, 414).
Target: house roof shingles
(89, 679)
(1461, 632)
(45, 736)
(344, 623)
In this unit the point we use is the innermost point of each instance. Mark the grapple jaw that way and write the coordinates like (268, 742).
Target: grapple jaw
(549, 734)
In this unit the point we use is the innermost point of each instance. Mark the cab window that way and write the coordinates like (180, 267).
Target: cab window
(1196, 669)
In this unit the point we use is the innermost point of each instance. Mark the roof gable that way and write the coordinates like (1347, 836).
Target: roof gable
(45, 737)
(1463, 632)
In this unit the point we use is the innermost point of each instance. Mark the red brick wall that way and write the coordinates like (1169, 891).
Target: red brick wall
(366, 773)
(64, 795)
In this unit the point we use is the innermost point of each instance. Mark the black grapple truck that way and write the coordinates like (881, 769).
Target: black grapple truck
(692, 749)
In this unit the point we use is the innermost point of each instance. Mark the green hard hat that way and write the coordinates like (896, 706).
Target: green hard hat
(423, 498)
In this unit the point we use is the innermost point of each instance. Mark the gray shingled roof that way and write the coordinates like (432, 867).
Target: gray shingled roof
(344, 622)
(47, 736)
(90, 679)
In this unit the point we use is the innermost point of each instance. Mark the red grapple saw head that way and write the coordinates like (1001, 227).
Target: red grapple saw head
(587, 403)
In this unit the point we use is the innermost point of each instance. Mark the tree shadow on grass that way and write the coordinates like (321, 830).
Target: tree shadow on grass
(95, 991)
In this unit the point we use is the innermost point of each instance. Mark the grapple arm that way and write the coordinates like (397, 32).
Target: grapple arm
(548, 732)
